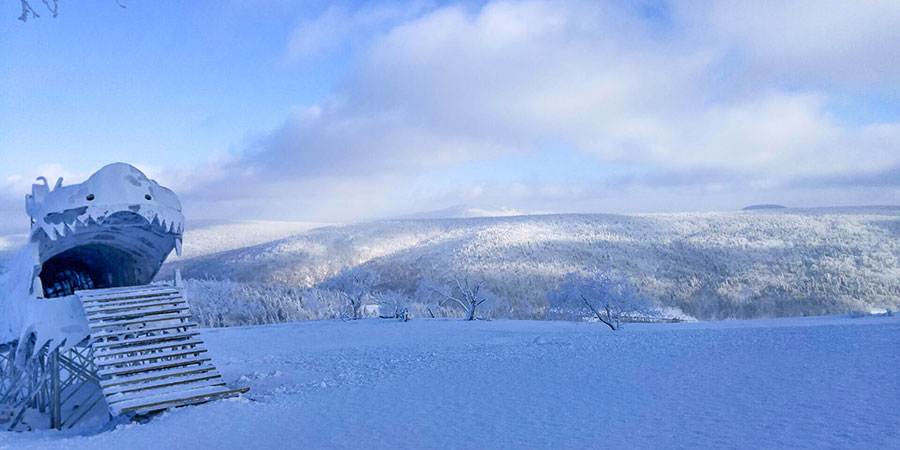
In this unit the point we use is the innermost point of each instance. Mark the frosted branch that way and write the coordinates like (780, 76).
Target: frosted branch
(27, 9)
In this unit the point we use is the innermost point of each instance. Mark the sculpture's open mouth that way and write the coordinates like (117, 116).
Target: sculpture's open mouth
(123, 250)
(114, 230)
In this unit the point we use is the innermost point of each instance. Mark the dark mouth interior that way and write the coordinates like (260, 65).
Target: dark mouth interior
(92, 266)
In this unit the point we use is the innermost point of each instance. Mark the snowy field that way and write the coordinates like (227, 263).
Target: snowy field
(815, 383)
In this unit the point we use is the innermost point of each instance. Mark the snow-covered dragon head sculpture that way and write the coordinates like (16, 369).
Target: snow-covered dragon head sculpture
(113, 230)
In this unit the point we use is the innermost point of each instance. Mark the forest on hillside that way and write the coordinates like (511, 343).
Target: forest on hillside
(745, 264)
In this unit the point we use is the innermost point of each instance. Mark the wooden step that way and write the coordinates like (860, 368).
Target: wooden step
(163, 390)
(95, 301)
(147, 359)
(168, 355)
(146, 368)
(163, 382)
(136, 313)
(157, 375)
(145, 332)
(123, 290)
(137, 321)
(133, 304)
(134, 350)
(172, 400)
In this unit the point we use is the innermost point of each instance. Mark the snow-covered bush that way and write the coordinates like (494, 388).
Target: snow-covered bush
(227, 303)
(600, 294)
(356, 284)
(393, 305)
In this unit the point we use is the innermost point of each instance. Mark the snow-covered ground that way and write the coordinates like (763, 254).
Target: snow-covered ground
(820, 382)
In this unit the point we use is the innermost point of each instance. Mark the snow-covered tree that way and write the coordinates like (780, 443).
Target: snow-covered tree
(602, 294)
(393, 305)
(468, 295)
(356, 284)
(52, 6)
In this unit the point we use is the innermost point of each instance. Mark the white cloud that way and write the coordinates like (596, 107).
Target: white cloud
(716, 100)
(852, 43)
(337, 26)
(454, 86)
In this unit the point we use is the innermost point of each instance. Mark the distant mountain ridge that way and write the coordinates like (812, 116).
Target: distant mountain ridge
(762, 207)
(784, 262)
(463, 212)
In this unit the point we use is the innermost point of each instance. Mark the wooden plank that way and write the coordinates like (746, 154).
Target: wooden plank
(151, 357)
(159, 366)
(154, 393)
(158, 375)
(164, 382)
(174, 402)
(109, 290)
(145, 339)
(106, 353)
(136, 313)
(137, 321)
(113, 290)
(125, 294)
(131, 304)
(125, 371)
(94, 301)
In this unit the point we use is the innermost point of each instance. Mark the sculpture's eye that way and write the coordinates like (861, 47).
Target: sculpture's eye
(90, 197)
(148, 197)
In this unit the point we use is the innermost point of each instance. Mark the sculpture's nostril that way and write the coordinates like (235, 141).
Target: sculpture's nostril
(90, 197)
(148, 197)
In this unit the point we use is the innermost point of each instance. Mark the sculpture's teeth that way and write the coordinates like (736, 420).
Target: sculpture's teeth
(49, 231)
(60, 230)
(178, 246)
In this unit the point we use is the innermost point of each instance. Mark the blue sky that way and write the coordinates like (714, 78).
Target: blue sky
(159, 83)
(323, 111)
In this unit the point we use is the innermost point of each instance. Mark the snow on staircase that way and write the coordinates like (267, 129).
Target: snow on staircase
(148, 354)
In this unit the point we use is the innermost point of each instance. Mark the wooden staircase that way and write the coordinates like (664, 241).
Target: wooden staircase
(147, 351)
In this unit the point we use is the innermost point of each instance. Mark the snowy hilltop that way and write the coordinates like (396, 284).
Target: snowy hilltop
(745, 264)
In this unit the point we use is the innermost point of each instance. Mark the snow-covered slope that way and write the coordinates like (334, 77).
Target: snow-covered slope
(711, 265)
(808, 383)
(208, 238)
